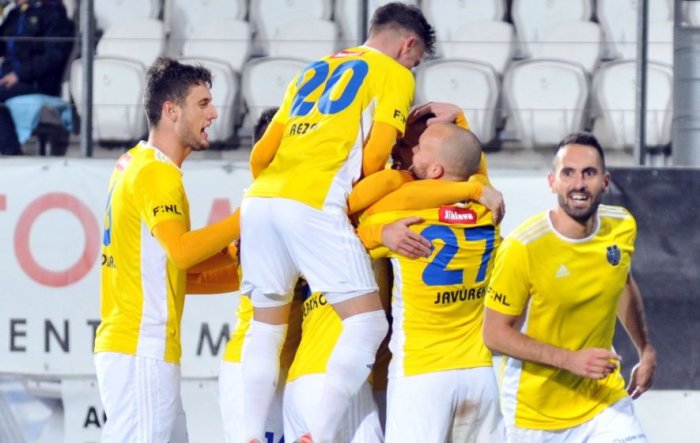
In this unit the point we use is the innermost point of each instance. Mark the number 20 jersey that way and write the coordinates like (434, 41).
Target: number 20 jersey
(437, 301)
(327, 113)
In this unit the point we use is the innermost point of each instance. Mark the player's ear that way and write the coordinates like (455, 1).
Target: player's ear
(606, 181)
(169, 111)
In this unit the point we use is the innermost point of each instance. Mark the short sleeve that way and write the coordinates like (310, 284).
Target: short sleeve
(395, 97)
(509, 286)
(161, 194)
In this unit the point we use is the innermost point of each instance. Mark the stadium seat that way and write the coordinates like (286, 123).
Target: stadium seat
(308, 39)
(184, 17)
(473, 86)
(691, 13)
(489, 42)
(117, 12)
(614, 92)
(265, 81)
(140, 39)
(660, 39)
(227, 40)
(532, 16)
(347, 15)
(547, 99)
(224, 93)
(619, 22)
(118, 89)
(271, 16)
(450, 18)
(575, 42)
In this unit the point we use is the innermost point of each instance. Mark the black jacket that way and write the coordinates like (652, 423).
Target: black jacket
(37, 61)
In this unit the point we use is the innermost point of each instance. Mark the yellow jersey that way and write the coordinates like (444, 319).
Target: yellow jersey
(568, 292)
(327, 113)
(320, 329)
(437, 301)
(142, 293)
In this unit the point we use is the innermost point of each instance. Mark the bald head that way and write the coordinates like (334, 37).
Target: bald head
(456, 150)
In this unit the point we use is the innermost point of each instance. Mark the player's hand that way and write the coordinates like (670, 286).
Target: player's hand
(493, 199)
(397, 237)
(9, 80)
(642, 376)
(595, 363)
(444, 112)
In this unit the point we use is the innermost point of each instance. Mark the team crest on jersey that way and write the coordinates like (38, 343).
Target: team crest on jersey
(614, 255)
(454, 214)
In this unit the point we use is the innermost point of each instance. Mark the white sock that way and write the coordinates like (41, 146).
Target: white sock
(261, 366)
(348, 367)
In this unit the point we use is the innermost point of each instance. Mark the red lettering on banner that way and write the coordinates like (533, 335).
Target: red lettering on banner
(47, 277)
(220, 209)
(3, 202)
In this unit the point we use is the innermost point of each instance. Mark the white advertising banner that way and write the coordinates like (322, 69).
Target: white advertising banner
(51, 220)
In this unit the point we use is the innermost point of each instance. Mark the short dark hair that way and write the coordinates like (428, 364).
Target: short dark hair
(582, 138)
(404, 16)
(169, 80)
(263, 122)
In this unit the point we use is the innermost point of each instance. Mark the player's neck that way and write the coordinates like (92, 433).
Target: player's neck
(168, 144)
(570, 227)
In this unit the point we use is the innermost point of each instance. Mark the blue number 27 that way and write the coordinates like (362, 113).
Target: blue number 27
(436, 272)
(319, 77)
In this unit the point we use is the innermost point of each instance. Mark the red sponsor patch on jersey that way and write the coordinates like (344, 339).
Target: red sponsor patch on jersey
(454, 214)
(343, 54)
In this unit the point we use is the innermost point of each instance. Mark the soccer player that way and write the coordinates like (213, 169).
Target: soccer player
(558, 283)
(441, 382)
(231, 403)
(149, 248)
(338, 121)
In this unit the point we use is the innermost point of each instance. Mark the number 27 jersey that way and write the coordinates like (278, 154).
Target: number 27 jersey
(437, 301)
(327, 113)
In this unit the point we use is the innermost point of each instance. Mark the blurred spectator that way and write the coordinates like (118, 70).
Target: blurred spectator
(35, 41)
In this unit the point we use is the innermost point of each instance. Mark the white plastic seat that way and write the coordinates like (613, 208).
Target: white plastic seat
(619, 22)
(308, 39)
(450, 19)
(184, 17)
(532, 16)
(489, 42)
(227, 40)
(116, 12)
(547, 99)
(347, 15)
(576, 42)
(224, 92)
(660, 42)
(470, 85)
(614, 90)
(691, 13)
(117, 113)
(271, 16)
(265, 81)
(138, 39)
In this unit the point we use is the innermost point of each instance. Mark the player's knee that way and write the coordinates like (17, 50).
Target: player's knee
(370, 327)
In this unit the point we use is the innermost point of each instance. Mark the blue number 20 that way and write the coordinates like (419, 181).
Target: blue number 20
(320, 69)
(436, 273)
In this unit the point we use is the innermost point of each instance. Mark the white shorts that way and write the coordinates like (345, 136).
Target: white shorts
(141, 398)
(231, 405)
(282, 239)
(360, 422)
(458, 405)
(616, 423)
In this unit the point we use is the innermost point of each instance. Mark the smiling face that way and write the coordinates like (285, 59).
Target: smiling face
(579, 180)
(195, 116)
